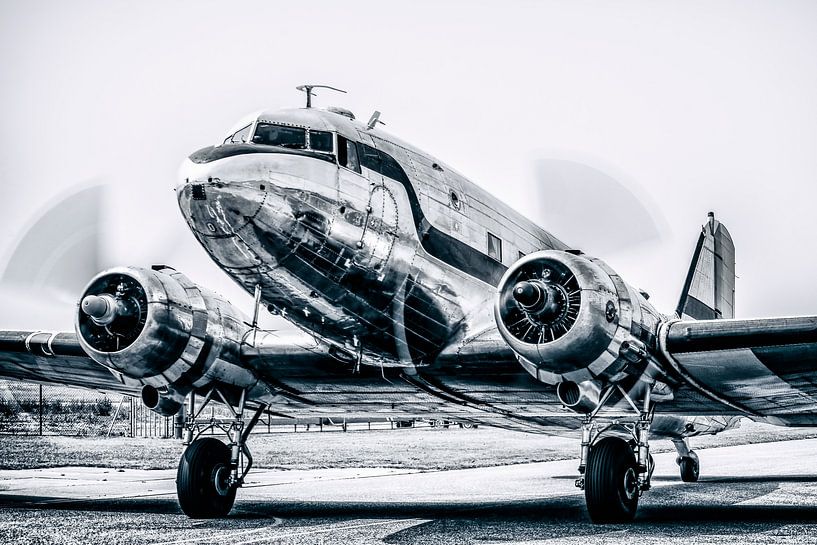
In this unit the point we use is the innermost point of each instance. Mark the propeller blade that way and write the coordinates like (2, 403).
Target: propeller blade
(60, 250)
(596, 212)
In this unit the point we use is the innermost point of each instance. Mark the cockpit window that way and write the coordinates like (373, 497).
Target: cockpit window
(240, 136)
(347, 154)
(279, 135)
(320, 141)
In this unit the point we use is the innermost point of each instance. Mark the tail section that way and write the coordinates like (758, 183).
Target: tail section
(709, 290)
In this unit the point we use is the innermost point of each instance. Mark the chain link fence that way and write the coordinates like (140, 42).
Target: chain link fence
(32, 409)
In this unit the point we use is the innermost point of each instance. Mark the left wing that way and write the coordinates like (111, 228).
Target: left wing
(766, 368)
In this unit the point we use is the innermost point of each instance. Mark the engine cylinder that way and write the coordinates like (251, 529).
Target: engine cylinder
(568, 316)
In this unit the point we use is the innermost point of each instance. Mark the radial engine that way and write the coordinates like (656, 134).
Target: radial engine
(574, 323)
(157, 326)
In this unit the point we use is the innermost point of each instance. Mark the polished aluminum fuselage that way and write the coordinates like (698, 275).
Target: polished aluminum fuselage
(390, 275)
(344, 254)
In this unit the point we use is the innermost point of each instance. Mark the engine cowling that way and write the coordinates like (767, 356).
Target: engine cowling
(570, 318)
(157, 326)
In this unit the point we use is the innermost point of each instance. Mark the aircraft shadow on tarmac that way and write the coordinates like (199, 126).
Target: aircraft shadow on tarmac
(714, 500)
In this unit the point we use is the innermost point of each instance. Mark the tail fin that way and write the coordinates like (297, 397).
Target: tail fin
(709, 290)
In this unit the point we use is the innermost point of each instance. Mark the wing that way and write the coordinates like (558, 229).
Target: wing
(762, 367)
(57, 358)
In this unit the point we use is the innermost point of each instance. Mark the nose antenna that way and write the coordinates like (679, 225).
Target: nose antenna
(307, 88)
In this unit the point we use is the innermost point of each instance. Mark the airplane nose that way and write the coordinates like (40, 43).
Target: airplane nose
(189, 172)
(217, 209)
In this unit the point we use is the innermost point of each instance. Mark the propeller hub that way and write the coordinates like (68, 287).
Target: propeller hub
(528, 294)
(101, 308)
(537, 298)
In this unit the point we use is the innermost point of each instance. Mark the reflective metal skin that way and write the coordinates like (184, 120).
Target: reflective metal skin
(420, 295)
(575, 317)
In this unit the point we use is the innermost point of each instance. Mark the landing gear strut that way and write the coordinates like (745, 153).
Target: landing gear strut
(210, 472)
(616, 464)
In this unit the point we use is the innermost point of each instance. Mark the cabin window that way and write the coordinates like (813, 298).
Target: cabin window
(347, 154)
(240, 136)
(494, 247)
(320, 141)
(454, 200)
(279, 135)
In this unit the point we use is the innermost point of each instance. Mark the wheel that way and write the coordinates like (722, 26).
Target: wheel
(611, 481)
(201, 481)
(690, 468)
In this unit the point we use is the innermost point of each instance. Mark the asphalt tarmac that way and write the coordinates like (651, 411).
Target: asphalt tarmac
(765, 493)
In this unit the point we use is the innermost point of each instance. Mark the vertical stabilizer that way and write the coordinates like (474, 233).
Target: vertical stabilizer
(709, 290)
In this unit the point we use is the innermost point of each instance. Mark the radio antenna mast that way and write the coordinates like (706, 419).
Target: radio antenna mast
(307, 88)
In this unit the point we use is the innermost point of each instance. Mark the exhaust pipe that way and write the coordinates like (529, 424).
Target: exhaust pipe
(581, 397)
(165, 403)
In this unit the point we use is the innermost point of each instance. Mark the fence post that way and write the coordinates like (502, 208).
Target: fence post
(41, 409)
(179, 420)
(115, 415)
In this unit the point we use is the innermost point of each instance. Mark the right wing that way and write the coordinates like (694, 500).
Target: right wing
(762, 367)
(57, 358)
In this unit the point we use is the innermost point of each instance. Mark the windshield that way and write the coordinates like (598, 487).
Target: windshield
(278, 135)
(239, 137)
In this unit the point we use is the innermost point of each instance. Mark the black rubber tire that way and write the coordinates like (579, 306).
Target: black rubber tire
(690, 469)
(611, 481)
(195, 479)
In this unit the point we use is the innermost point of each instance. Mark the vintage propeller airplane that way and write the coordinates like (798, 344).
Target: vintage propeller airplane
(420, 294)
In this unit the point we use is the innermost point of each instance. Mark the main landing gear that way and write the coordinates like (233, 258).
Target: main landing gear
(210, 471)
(616, 464)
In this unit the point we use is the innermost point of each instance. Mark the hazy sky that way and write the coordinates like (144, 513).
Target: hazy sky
(694, 106)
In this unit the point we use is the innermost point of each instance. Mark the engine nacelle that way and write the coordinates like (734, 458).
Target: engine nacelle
(571, 318)
(157, 326)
